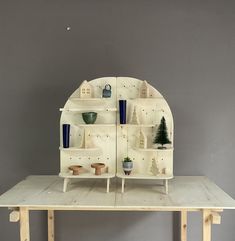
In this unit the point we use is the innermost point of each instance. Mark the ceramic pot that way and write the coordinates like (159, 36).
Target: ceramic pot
(97, 167)
(122, 111)
(89, 117)
(66, 135)
(75, 169)
(127, 167)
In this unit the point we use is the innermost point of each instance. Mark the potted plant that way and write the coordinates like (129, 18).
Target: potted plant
(162, 135)
(127, 165)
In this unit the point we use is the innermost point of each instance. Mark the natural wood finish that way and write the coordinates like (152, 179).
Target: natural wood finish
(215, 218)
(191, 193)
(24, 224)
(183, 225)
(14, 216)
(206, 225)
(51, 227)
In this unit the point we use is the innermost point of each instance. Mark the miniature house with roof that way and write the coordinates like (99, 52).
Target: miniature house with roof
(93, 143)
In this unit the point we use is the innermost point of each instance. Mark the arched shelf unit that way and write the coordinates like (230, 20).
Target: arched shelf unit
(109, 142)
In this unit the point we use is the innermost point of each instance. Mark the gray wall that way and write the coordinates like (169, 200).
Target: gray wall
(186, 49)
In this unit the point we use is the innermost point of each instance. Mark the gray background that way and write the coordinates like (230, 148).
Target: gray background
(186, 49)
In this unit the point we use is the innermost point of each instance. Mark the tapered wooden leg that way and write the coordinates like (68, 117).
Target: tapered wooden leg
(66, 181)
(108, 183)
(183, 225)
(166, 186)
(24, 224)
(123, 184)
(206, 225)
(51, 227)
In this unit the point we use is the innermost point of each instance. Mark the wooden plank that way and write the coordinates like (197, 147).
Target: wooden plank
(51, 225)
(183, 225)
(24, 224)
(206, 225)
(187, 193)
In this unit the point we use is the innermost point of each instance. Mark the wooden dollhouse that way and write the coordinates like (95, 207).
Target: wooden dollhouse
(97, 148)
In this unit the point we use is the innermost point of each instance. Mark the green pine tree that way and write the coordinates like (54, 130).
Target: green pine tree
(162, 134)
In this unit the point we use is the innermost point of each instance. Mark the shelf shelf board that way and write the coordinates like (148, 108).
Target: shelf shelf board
(149, 98)
(137, 125)
(152, 149)
(94, 109)
(95, 125)
(87, 175)
(74, 149)
(144, 176)
(90, 99)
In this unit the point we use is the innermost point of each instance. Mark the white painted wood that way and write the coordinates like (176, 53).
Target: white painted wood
(186, 193)
(123, 185)
(66, 182)
(108, 184)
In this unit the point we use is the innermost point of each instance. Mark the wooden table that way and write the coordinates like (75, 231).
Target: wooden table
(186, 194)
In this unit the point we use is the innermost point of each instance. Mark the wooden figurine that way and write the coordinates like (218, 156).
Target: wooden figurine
(134, 118)
(154, 168)
(144, 90)
(85, 90)
(142, 140)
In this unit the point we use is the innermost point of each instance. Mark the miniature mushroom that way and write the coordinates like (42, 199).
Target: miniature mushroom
(97, 167)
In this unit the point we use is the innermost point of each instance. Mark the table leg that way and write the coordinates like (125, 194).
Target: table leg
(108, 183)
(24, 224)
(206, 225)
(123, 184)
(183, 225)
(51, 225)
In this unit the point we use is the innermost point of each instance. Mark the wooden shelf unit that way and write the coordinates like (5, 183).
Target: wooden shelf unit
(116, 141)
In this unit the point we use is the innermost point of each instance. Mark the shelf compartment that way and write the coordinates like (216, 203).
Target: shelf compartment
(152, 149)
(137, 125)
(87, 175)
(94, 109)
(144, 176)
(95, 125)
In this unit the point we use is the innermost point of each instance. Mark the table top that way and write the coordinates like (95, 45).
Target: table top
(185, 192)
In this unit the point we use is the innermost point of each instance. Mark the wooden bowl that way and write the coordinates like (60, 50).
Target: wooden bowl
(76, 169)
(98, 167)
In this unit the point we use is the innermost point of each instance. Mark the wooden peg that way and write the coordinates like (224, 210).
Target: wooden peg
(14, 216)
(215, 218)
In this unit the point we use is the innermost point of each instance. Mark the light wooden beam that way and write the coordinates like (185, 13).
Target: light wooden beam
(24, 224)
(183, 225)
(206, 225)
(51, 225)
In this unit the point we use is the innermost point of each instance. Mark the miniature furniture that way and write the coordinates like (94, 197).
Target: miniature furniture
(109, 142)
(187, 194)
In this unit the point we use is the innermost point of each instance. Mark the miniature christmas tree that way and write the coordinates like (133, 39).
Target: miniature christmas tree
(162, 135)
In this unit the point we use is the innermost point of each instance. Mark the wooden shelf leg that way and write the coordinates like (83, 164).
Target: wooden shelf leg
(24, 224)
(66, 181)
(123, 184)
(51, 225)
(108, 183)
(206, 225)
(166, 186)
(183, 225)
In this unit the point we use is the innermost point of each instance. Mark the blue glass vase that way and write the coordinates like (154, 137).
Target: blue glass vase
(122, 111)
(66, 135)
